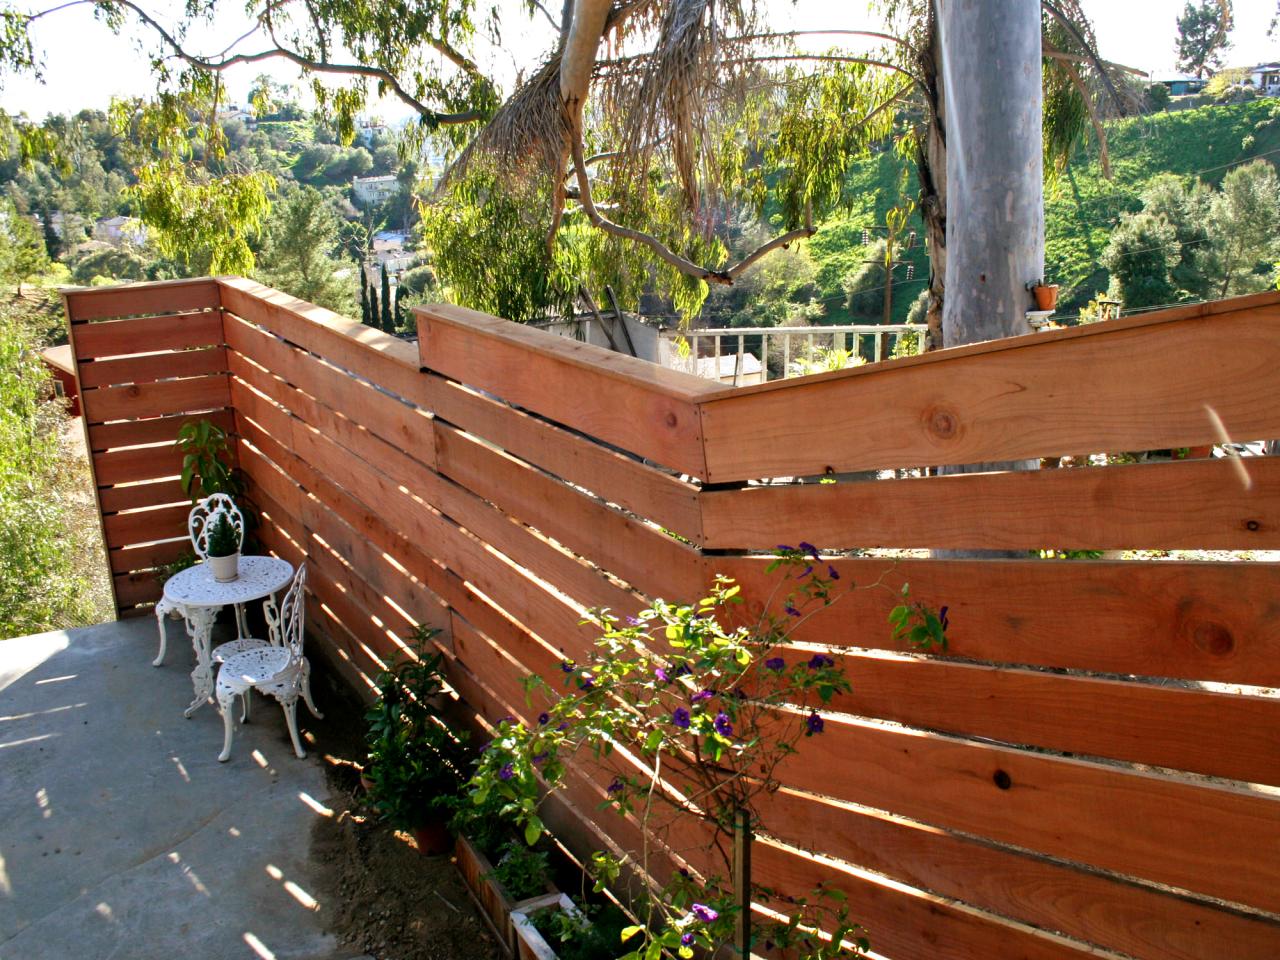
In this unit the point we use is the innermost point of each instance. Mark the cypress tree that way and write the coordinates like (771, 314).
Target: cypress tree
(365, 315)
(400, 318)
(388, 324)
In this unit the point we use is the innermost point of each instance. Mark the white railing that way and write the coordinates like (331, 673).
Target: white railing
(704, 351)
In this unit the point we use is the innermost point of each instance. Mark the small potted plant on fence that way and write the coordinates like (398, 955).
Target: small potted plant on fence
(414, 767)
(694, 719)
(224, 548)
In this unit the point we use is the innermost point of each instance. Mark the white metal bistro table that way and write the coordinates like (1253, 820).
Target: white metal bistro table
(195, 591)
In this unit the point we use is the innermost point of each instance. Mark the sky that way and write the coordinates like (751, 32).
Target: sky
(85, 65)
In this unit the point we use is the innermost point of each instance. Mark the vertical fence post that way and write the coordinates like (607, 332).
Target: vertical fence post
(742, 882)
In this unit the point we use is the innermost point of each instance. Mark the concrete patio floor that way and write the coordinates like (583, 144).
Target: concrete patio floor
(121, 836)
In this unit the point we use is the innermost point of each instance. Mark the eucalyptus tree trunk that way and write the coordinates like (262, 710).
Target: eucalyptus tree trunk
(991, 75)
(990, 80)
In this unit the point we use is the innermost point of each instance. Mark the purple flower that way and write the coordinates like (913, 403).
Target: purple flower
(776, 664)
(819, 661)
(686, 940)
(942, 616)
(563, 725)
(703, 695)
(507, 772)
(567, 666)
(587, 681)
(722, 724)
(805, 572)
(616, 786)
(681, 718)
(539, 759)
(832, 572)
(783, 548)
(662, 675)
(704, 913)
(544, 718)
(791, 610)
(634, 621)
(814, 723)
(681, 670)
(809, 548)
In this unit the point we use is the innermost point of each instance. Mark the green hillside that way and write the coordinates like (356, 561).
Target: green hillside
(1081, 206)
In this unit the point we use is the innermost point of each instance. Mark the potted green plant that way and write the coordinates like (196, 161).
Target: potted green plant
(554, 927)
(414, 767)
(224, 548)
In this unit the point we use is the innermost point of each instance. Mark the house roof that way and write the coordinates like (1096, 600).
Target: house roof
(60, 358)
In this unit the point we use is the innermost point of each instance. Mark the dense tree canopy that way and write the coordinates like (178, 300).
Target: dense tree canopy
(1202, 35)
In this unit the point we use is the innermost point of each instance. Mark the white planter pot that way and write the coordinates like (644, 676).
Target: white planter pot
(225, 569)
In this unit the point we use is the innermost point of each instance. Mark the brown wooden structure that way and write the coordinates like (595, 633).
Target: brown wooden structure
(1091, 769)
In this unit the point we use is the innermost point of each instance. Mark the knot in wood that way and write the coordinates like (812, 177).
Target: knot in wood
(671, 419)
(1253, 526)
(1212, 638)
(1002, 779)
(943, 424)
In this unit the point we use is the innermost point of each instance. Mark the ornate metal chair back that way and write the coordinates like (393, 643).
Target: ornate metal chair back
(200, 521)
(287, 625)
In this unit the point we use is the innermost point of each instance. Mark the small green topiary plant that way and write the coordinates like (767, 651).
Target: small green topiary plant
(223, 539)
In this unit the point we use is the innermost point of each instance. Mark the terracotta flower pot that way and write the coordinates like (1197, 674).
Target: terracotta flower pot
(433, 839)
(1046, 296)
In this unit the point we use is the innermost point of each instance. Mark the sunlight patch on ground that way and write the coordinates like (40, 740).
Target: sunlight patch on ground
(258, 947)
(314, 804)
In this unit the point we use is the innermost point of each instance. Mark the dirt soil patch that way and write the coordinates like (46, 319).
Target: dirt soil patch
(382, 896)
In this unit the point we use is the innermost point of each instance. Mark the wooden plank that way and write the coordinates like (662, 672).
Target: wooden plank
(1104, 387)
(128, 433)
(648, 559)
(133, 496)
(153, 366)
(132, 589)
(1125, 917)
(138, 463)
(1193, 835)
(1203, 504)
(651, 411)
(393, 365)
(1198, 621)
(1229, 735)
(608, 473)
(96, 303)
(148, 556)
(175, 331)
(146, 526)
(156, 399)
(392, 419)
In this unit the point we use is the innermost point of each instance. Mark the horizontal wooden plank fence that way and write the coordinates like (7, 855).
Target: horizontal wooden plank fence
(1092, 766)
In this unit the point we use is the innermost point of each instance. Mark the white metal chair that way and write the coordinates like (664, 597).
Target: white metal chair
(276, 669)
(199, 523)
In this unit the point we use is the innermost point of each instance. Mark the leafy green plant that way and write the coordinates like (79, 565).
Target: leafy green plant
(713, 707)
(184, 561)
(591, 932)
(415, 758)
(522, 871)
(223, 539)
(205, 470)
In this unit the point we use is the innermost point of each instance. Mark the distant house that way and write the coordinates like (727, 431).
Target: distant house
(367, 130)
(388, 248)
(1181, 84)
(1266, 78)
(374, 189)
(233, 112)
(63, 368)
(117, 230)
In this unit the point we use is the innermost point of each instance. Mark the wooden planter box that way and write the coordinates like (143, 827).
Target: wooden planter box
(530, 944)
(492, 897)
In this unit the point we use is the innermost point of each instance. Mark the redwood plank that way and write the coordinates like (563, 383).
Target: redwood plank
(1198, 621)
(153, 366)
(1229, 735)
(148, 556)
(1134, 920)
(1106, 387)
(1193, 835)
(648, 559)
(651, 412)
(132, 589)
(137, 463)
(145, 526)
(1203, 504)
(156, 399)
(128, 299)
(128, 433)
(115, 338)
(134, 496)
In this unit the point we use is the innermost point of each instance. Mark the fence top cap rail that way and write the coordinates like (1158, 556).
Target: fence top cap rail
(1191, 311)
(368, 338)
(682, 386)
